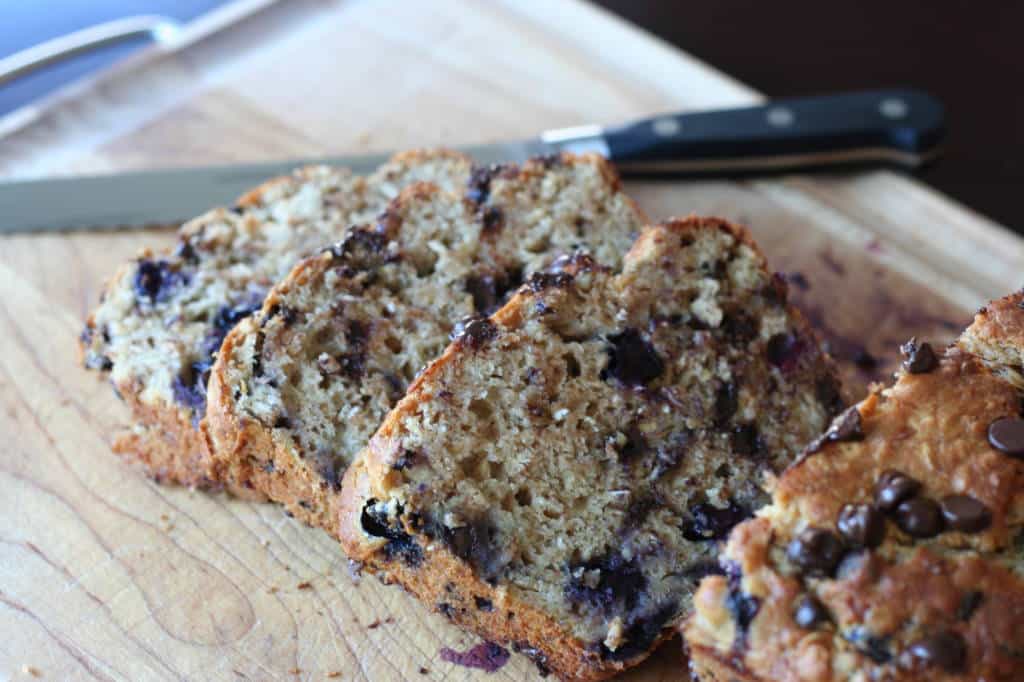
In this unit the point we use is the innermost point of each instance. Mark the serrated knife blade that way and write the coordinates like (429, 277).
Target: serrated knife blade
(901, 127)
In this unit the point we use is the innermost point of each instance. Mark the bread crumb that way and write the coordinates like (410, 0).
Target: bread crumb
(304, 585)
(424, 671)
(334, 673)
(31, 670)
(272, 589)
(295, 671)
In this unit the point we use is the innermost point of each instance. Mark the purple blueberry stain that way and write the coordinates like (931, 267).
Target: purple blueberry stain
(486, 656)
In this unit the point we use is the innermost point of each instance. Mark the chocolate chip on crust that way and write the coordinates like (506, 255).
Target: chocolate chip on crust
(918, 358)
(919, 517)
(965, 513)
(474, 331)
(1007, 435)
(816, 551)
(893, 487)
(946, 650)
(861, 525)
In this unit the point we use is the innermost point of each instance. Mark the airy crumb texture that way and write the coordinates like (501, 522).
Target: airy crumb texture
(557, 480)
(162, 317)
(299, 388)
(893, 551)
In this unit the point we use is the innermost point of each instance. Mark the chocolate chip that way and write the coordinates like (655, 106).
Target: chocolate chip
(919, 516)
(632, 360)
(726, 403)
(965, 513)
(893, 487)
(1007, 435)
(969, 603)
(474, 331)
(946, 650)
(784, 351)
(745, 440)
(539, 281)
(739, 328)
(846, 427)
(918, 359)
(713, 523)
(861, 525)
(816, 551)
(810, 613)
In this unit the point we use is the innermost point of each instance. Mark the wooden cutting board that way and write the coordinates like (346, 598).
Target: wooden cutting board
(106, 575)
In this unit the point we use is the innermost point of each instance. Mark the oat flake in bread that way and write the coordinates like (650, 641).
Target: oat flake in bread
(300, 387)
(162, 317)
(893, 550)
(557, 480)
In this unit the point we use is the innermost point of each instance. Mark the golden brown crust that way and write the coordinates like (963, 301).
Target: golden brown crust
(933, 427)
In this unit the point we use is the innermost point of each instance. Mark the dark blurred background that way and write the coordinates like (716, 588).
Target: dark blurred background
(969, 54)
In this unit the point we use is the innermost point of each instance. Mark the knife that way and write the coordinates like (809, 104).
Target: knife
(898, 127)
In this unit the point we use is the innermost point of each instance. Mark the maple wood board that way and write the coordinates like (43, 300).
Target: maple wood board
(105, 575)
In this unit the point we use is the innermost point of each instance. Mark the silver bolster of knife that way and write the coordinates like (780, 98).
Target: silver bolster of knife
(578, 140)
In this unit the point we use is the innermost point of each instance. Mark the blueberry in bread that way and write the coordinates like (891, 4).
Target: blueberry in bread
(299, 388)
(892, 551)
(162, 317)
(557, 480)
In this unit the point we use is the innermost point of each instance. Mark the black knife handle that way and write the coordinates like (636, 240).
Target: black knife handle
(901, 127)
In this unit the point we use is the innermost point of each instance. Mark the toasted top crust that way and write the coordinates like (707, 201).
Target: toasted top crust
(945, 603)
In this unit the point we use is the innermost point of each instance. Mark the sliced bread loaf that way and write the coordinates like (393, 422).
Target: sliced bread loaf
(299, 388)
(162, 317)
(557, 479)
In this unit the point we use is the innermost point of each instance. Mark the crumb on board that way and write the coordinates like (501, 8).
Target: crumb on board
(272, 589)
(334, 673)
(424, 671)
(304, 585)
(295, 671)
(30, 670)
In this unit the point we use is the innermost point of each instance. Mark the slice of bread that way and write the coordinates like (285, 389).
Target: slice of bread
(557, 479)
(893, 550)
(162, 317)
(299, 388)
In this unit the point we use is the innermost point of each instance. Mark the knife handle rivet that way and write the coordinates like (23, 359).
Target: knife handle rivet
(665, 127)
(780, 117)
(893, 107)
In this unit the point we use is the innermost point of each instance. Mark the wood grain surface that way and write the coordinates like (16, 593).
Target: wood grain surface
(105, 575)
